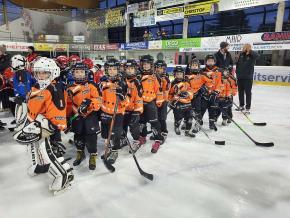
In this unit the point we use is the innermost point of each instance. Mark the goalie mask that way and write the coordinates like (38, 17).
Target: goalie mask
(45, 71)
(18, 62)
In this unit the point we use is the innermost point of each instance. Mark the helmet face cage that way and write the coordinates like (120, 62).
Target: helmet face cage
(76, 69)
(18, 62)
(109, 64)
(45, 65)
(133, 64)
(161, 64)
(147, 59)
(177, 70)
(210, 57)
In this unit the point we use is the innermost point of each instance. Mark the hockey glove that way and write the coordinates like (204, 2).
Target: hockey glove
(183, 94)
(19, 99)
(172, 104)
(121, 93)
(83, 108)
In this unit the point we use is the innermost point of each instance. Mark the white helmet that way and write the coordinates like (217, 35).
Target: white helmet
(18, 62)
(48, 65)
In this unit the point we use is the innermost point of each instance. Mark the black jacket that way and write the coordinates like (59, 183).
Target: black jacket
(4, 62)
(223, 62)
(245, 65)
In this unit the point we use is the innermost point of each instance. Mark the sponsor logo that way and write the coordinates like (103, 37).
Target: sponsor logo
(276, 36)
(271, 78)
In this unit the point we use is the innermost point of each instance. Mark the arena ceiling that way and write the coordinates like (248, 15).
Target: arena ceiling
(57, 4)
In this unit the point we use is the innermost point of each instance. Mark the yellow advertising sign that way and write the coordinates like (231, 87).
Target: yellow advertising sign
(172, 10)
(43, 47)
(201, 8)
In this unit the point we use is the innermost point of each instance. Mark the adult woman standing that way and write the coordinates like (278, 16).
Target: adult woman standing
(245, 73)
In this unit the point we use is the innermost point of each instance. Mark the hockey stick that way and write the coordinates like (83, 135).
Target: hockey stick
(261, 144)
(146, 175)
(70, 123)
(109, 166)
(248, 118)
(204, 132)
(174, 105)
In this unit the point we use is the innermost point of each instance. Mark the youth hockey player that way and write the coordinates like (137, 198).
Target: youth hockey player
(22, 80)
(152, 96)
(196, 81)
(46, 114)
(135, 108)
(210, 91)
(114, 90)
(163, 78)
(86, 101)
(234, 89)
(224, 97)
(180, 95)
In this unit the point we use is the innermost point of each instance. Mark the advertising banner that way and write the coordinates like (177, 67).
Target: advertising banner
(259, 41)
(134, 46)
(107, 19)
(170, 14)
(80, 47)
(208, 7)
(181, 43)
(16, 46)
(144, 18)
(166, 3)
(225, 5)
(155, 44)
(43, 47)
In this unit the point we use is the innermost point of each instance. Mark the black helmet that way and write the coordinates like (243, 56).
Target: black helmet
(146, 59)
(208, 57)
(189, 70)
(80, 66)
(130, 63)
(112, 63)
(178, 69)
(160, 63)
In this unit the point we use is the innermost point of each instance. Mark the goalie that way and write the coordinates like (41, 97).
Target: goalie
(44, 115)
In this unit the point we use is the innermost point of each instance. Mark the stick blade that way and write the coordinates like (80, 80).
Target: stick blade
(260, 124)
(148, 176)
(220, 142)
(267, 144)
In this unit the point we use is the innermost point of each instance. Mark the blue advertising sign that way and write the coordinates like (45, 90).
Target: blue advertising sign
(134, 45)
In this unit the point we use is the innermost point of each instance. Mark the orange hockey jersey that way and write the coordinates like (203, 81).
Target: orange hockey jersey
(151, 89)
(234, 86)
(108, 90)
(78, 92)
(216, 78)
(177, 88)
(197, 81)
(50, 102)
(225, 89)
(135, 96)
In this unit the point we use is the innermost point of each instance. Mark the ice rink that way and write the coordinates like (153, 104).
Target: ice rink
(193, 178)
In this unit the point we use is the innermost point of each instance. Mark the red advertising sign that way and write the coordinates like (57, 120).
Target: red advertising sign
(112, 46)
(276, 36)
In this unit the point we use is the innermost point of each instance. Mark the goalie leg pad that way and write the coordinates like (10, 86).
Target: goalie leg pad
(60, 171)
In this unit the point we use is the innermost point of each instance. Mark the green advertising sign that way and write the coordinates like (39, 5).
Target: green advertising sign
(181, 43)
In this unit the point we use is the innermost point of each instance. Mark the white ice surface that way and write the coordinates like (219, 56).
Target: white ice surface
(193, 178)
